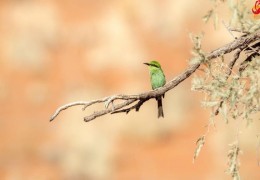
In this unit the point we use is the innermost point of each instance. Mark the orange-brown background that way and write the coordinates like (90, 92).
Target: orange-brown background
(55, 52)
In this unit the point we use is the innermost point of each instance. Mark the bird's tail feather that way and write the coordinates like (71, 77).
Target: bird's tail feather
(160, 107)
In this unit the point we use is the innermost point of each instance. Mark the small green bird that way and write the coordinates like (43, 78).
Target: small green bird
(157, 80)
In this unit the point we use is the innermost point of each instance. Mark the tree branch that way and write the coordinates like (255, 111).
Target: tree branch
(128, 100)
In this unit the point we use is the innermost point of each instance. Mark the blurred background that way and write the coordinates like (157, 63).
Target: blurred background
(54, 52)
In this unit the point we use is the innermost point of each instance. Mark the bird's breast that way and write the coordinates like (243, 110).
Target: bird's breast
(157, 79)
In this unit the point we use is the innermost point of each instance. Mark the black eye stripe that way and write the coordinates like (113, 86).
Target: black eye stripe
(154, 65)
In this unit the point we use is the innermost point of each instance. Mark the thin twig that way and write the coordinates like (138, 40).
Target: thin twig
(229, 30)
(106, 111)
(66, 106)
(136, 107)
(238, 30)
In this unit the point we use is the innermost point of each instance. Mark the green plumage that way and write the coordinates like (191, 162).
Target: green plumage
(157, 80)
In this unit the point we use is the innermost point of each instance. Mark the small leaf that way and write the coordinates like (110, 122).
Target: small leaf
(197, 83)
(209, 103)
(208, 16)
(224, 112)
(215, 21)
(233, 160)
(200, 143)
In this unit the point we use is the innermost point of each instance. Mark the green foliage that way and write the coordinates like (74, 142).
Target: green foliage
(231, 91)
(233, 161)
(200, 143)
(239, 94)
(197, 52)
(242, 16)
(213, 13)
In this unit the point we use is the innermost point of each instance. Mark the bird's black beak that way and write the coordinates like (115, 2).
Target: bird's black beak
(147, 64)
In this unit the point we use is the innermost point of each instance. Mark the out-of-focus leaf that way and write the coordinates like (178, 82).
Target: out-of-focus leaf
(200, 143)
(208, 16)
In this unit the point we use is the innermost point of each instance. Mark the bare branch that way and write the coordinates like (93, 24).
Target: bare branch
(238, 44)
(136, 107)
(106, 111)
(66, 106)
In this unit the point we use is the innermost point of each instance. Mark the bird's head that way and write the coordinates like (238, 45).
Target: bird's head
(153, 65)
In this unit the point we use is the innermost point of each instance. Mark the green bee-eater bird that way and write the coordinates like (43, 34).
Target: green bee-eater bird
(157, 80)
